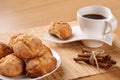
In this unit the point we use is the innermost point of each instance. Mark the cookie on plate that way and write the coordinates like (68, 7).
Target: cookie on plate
(25, 46)
(11, 66)
(43, 63)
(4, 50)
(62, 30)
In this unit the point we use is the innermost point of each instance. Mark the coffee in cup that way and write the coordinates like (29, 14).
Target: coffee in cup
(94, 16)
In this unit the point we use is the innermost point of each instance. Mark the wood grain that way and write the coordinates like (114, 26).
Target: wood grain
(17, 15)
(69, 69)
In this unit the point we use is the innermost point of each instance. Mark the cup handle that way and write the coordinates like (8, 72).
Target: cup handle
(112, 23)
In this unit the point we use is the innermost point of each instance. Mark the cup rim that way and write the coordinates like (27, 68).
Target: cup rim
(78, 15)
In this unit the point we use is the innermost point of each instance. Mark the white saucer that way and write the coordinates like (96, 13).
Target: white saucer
(23, 77)
(77, 36)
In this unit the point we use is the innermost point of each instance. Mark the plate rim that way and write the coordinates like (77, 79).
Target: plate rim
(55, 54)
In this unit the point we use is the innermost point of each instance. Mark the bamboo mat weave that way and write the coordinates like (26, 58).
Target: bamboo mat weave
(69, 69)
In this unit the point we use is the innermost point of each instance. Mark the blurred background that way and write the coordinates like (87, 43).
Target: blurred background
(23, 14)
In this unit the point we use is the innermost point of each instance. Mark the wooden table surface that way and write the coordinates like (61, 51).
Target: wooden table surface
(23, 14)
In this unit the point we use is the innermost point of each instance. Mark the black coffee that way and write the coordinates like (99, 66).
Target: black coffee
(94, 16)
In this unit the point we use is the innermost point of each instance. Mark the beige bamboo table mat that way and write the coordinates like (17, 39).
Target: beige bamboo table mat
(69, 69)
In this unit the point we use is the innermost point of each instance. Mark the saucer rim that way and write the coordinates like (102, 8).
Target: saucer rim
(57, 40)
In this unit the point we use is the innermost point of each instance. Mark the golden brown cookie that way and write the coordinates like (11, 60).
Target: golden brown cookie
(25, 46)
(45, 51)
(61, 30)
(41, 64)
(11, 65)
(4, 50)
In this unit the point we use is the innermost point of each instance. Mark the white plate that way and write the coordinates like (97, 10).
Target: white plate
(77, 36)
(23, 77)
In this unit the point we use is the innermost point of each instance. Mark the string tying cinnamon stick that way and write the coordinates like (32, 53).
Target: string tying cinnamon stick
(96, 58)
(93, 59)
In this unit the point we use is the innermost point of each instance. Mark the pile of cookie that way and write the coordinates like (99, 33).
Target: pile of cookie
(25, 54)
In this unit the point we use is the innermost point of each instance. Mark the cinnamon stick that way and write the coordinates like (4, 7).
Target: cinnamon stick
(111, 61)
(86, 51)
(104, 56)
(87, 59)
(104, 64)
(101, 64)
(103, 60)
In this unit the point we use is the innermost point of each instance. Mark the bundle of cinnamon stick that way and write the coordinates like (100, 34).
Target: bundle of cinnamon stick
(103, 60)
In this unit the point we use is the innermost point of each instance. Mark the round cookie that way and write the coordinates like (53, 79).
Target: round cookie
(25, 46)
(61, 30)
(4, 50)
(11, 66)
(41, 64)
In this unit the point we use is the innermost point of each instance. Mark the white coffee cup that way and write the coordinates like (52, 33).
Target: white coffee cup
(96, 28)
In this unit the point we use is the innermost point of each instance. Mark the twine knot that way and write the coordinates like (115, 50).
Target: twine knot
(93, 59)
